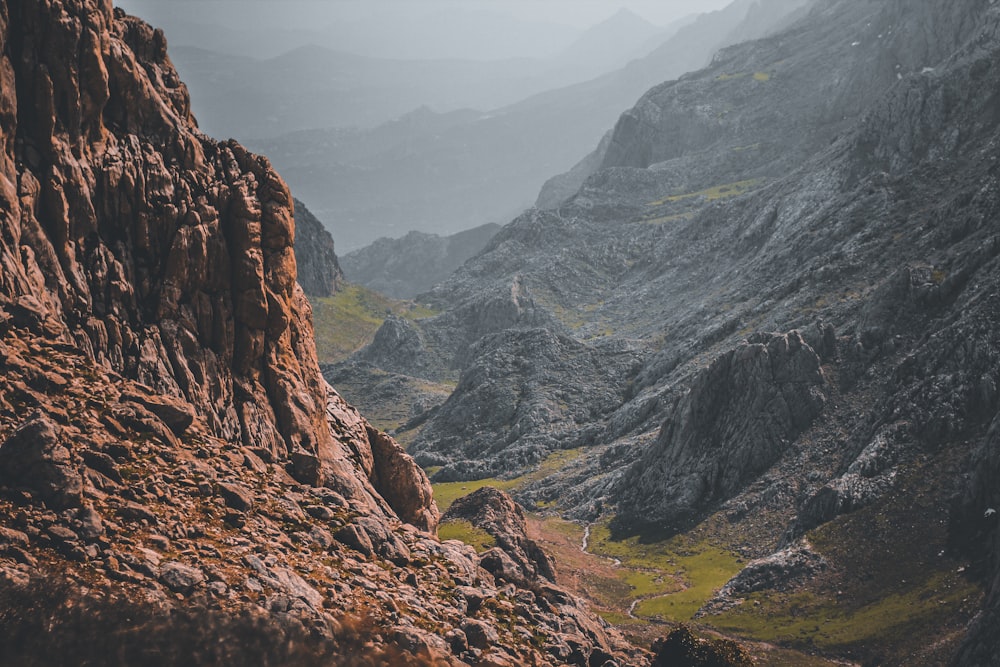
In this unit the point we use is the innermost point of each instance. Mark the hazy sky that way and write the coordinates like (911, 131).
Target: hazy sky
(306, 13)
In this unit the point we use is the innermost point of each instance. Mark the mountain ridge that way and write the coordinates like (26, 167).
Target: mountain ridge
(859, 221)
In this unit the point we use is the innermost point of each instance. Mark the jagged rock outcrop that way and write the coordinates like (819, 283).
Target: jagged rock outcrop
(315, 255)
(435, 347)
(496, 512)
(505, 415)
(735, 422)
(164, 255)
(405, 267)
(399, 344)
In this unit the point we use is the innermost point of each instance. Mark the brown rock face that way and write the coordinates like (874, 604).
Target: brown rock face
(496, 512)
(167, 257)
(36, 458)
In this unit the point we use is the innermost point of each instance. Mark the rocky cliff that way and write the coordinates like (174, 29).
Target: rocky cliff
(167, 438)
(733, 424)
(164, 256)
(315, 255)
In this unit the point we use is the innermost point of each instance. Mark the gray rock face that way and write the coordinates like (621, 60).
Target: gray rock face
(866, 480)
(405, 267)
(779, 571)
(319, 272)
(976, 530)
(507, 414)
(821, 93)
(873, 232)
(734, 423)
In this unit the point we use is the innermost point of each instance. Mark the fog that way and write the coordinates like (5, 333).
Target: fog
(388, 116)
(469, 29)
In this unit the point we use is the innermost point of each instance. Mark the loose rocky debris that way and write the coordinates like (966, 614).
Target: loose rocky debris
(192, 519)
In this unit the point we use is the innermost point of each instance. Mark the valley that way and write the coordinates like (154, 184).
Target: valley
(725, 395)
(808, 474)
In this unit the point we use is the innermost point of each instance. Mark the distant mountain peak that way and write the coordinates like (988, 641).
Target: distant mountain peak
(625, 14)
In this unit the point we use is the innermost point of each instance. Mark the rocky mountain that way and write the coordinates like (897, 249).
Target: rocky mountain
(447, 172)
(773, 299)
(405, 267)
(319, 271)
(175, 475)
(315, 86)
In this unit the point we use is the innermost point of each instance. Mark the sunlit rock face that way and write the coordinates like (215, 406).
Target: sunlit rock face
(163, 255)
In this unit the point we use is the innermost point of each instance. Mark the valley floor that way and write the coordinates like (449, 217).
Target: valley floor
(876, 591)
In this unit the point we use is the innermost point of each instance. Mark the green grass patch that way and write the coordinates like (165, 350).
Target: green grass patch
(466, 532)
(805, 619)
(348, 320)
(714, 193)
(445, 493)
(701, 567)
(646, 584)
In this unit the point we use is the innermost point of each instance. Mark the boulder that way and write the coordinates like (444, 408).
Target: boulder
(35, 458)
(180, 578)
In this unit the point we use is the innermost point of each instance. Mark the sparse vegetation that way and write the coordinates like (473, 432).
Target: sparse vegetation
(699, 569)
(714, 193)
(466, 532)
(348, 320)
(806, 619)
(445, 493)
